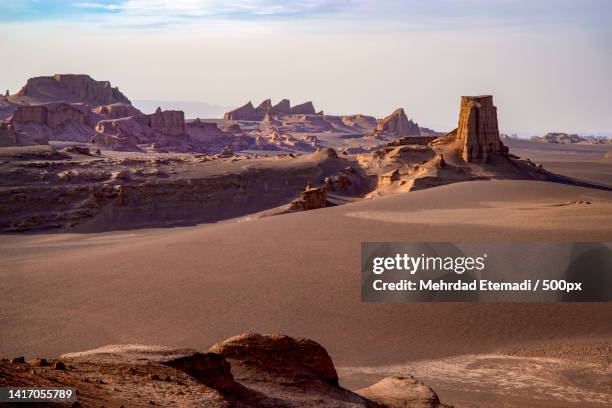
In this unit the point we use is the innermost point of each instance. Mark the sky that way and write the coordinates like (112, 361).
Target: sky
(548, 63)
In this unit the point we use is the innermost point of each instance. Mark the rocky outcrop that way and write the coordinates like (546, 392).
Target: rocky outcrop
(264, 107)
(248, 370)
(397, 124)
(281, 108)
(567, 138)
(359, 121)
(413, 140)
(232, 128)
(245, 112)
(73, 87)
(162, 128)
(109, 135)
(8, 136)
(269, 120)
(199, 127)
(478, 132)
(54, 121)
(117, 110)
(77, 150)
(281, 355)
(274, 139)
(402, 392)
(310, 199)
(211, 369)
(170, 122)
(306, 108)
(249, 112)
(131, 128)
(52, 114)
(388, 178)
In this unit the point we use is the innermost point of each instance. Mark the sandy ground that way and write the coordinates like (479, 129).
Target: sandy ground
(581, 161)
(497, 380)
(295, 273)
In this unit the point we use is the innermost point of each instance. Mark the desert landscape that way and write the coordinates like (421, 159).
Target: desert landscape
(195, 196)
(124, 230)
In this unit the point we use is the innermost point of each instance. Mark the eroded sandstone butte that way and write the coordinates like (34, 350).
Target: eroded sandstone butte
(73, 86)
(170, 122)
(249, 112)
(52, 114)
(397, 124)
(477, 130)
(39, 123)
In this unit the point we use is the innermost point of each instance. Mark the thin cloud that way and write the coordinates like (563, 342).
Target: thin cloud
(99, 6)
(238, 9)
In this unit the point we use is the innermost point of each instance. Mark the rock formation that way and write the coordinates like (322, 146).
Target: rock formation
(477, 131)
(264, 107)
(8, 136)
(364, 122)
(115, 135)
(283, 355)
(249, 370)
(116, 110)
(125, 133)
(70, 86)
(402, 392)
(567, 138)
(397, 124)
(412, 140)
(204, 128)
(282, 108)
(306, 108)
(52, 114)
(249, 112)
(170, 122)
(388, 178)
(53, 121)
(310, 199)
(233, 128)
(211, 369)
(245, 112)
(269, 120)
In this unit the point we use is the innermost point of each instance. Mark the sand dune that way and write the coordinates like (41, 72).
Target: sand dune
(297, 274)
(582, 162)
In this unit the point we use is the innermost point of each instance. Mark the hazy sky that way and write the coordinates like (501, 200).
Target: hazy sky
(547, 63)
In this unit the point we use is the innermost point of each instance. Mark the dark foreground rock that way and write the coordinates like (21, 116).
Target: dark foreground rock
(249, 370)
(401, 392)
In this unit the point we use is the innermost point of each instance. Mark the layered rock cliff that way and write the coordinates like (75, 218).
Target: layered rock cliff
(54, 121)
(73, 87)
(170, 122)
(477, 131)
(161, 128)
(53, 114)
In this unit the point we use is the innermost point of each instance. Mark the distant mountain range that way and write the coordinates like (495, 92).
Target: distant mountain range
(192, 109)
